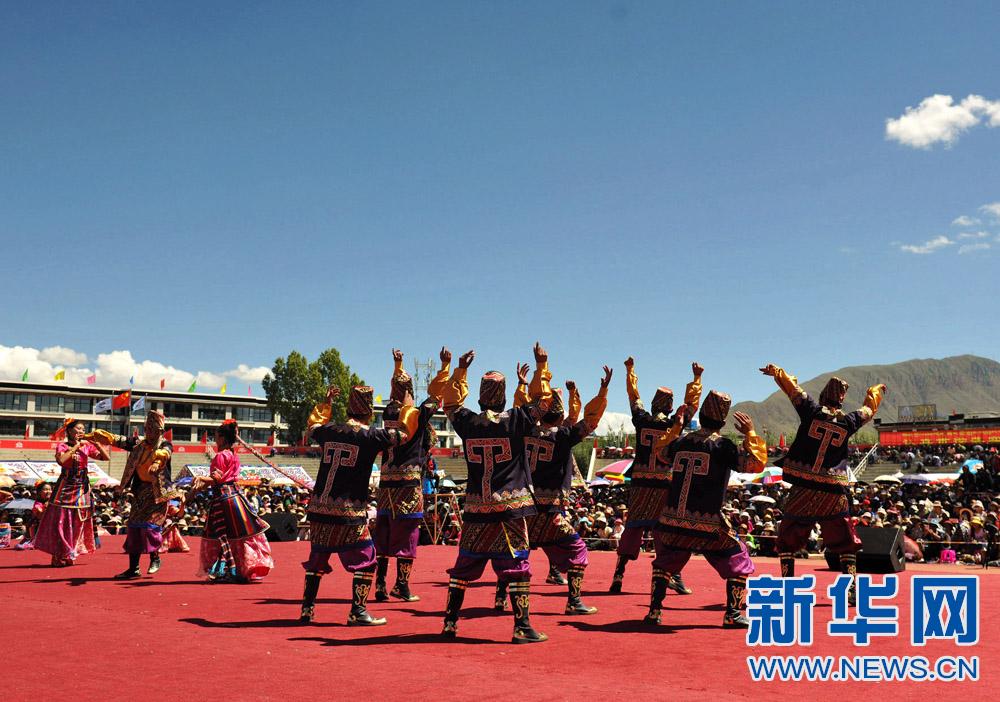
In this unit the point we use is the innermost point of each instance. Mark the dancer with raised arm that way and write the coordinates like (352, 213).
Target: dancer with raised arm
(816, 466)
(692, 519)
(498, 496)
(650, 479)
(66, 530)
(400, 499)
(338, 508)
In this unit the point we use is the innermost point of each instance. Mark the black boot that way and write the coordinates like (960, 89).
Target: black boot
(787, 561)
(676, 583)
(309, 597)
(849, 566)
(500, 598)
(555, 577)
(575, 605)
(133, 569)
(361, 586)
(154, 563)
(736, 601)
(456, 595)
(404, 566)
(658, 591)
(383, 567)
(619, 576)
(520, 596)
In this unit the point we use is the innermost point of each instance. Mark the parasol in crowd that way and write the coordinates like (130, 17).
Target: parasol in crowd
(598, 482)
(771, 474)
(6, 481)
(887, 479)
(762, 498)
(20, 505)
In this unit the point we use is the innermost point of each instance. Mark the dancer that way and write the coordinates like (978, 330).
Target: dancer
(400, 499)
(550, 457)
(650, 480)
(147, 476)
(338, 508)
(692, 519)
(816, 467)
(233, 547)
(498, 496)
(66, 530)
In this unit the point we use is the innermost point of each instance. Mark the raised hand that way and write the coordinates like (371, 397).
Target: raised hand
(332, 393)
(445, 356)
(397, 355)
(606, 380)
(697, 369)
(522, 373)
(743, 423)
(680, 414)
(541, 355)
(770, 369)
(629, 362)
(465, 360)
(570, 385)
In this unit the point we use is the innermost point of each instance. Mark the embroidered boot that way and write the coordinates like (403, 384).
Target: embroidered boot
(309, 597)
(575, 605)
(736, 602)
(658, 591)
(520, 596)
(456, 595)
(361, 586)
(404, 566)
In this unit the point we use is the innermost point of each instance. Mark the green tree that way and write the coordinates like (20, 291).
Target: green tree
(295, 385)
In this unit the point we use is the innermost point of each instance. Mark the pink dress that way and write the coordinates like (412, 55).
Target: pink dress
(232, 520)
(67, 527)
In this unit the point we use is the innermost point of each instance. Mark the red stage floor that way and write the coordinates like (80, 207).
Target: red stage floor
(76, 634)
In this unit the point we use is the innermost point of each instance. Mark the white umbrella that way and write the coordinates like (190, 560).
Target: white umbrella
(887, 479)
(762, 498)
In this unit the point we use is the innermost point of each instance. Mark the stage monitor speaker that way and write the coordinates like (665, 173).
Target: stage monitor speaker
(881, 551)
(284, 527)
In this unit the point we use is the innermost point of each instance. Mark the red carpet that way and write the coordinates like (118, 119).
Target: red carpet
(75, 634)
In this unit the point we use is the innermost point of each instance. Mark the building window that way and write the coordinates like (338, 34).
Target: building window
(78, 405)
(439, 423)
(252, 414)
(177, 409)
(12, 427)
(261, 436)
(49, 403)
(14, 401)
(181, 433)
(45, 427)
(216, 412)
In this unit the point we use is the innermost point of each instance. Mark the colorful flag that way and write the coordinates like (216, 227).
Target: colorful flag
(24, 375)
(26, 432)
(139, 405)
(378, 399)
(163, 383)
(204, 438)
(61, 375)
(222, 390)
(194, 384)
(91, 379)
(122, 400)
(168, 435)
(250, 394)
(102, 405)
(59, 434)
(131, 380)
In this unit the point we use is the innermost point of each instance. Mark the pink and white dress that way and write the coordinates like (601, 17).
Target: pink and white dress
(67, 527)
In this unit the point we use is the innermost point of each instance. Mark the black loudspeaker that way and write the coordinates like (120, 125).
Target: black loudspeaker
(881, 551)
(284, 527)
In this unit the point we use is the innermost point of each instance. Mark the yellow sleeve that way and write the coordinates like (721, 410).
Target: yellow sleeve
(668, 437)
(436, 387)
(692, 394)
(409, 417)
(321, 413)
(756, 449)
(594, 410)
(160, 458)
(541, 375)
(573, 406)
(106, 438)
(872, 400)
(521, 396)
(632, 387)
(456, 390)
(789, 385)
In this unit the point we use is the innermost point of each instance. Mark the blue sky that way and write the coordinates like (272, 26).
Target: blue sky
(208, 186)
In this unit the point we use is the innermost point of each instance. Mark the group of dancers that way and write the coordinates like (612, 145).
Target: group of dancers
(520, 471)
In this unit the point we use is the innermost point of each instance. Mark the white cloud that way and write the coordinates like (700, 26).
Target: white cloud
(969, 248)
(973, 235)
(939, 119)
(993, 209)
(964, 221)
(615, 422)
(931, 246)
(113, 369)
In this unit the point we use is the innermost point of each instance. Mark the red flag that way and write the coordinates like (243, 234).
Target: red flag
(168, 435)
(122, 400)
(91, 379)
(135, 432)
(270, 439)
(781, 441)
(26, 432)
(163, 383)
(250, 394)
(204, 438)
(59, 434)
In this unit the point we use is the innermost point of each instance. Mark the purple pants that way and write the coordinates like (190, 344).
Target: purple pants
(143, 539)
(565, 555)
(838, 534)
(396, 537)
(469, 568)
(672, 560)
(352, 559)
(630, 542)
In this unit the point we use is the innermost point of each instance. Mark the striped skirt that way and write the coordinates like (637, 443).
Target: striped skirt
(231, 516)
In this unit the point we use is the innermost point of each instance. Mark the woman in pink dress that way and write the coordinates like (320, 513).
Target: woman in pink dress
(66, 530)
(233, 547)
